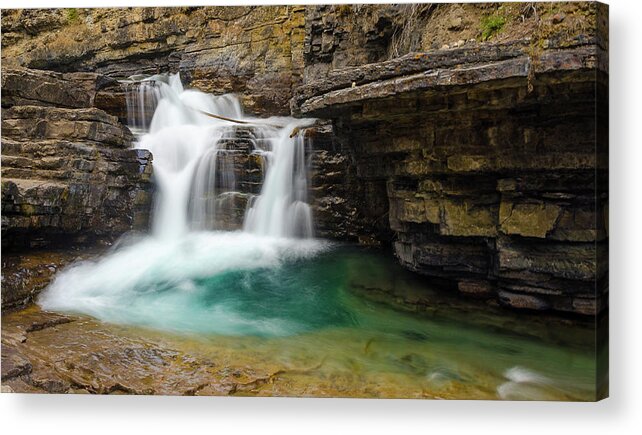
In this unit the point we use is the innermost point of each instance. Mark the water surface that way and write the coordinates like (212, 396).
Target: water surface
(321, 306)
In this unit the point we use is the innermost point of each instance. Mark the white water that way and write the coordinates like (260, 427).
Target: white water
(158, 282)
(195, 177)
(281, 209)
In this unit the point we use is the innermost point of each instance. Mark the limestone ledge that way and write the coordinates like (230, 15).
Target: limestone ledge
(436, 69)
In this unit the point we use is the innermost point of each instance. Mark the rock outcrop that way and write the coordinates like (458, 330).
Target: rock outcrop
(256, 52)
(26, 273)
(68, 173)
(487, 158)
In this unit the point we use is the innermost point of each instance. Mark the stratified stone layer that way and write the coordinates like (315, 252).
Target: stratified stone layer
(489, 164)
(68, 173)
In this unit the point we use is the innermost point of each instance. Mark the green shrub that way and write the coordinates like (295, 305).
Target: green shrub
(72, 15)
(491, 25)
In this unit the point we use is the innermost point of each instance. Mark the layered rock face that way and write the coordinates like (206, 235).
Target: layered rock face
(483, 164)
(239, 176)
(68, 174)
(255, 52)
(487, 159)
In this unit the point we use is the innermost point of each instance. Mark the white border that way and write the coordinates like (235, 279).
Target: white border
(622, 413)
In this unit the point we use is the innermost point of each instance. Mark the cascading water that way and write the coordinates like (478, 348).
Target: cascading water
(281, 209)
(195, 175)
(142, 98)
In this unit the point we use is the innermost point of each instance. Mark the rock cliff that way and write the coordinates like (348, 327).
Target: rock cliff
(256, 52)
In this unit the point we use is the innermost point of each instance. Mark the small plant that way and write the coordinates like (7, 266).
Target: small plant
(72, 15)
(491, 25)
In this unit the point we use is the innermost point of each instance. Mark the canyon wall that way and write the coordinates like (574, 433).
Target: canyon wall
(462, 136)
(482, 164)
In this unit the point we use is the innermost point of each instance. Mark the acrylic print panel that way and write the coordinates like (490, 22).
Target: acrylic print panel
(375, 201)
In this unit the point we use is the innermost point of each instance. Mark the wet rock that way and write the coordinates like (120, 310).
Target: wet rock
(481, 289)
(521, 301)
(14, 364)
(588, 306)
(332, 197)
(25, 274)
(83, 356)
(48, 323)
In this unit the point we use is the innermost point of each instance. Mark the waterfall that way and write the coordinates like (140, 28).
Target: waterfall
(142, 98)
(281, 209)
(212, 176)
(196, 173)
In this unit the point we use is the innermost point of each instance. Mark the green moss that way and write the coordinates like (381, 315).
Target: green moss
(72, 15)
(491, 25)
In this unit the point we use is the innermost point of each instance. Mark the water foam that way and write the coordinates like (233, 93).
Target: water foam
(155, 282)
(525, 384)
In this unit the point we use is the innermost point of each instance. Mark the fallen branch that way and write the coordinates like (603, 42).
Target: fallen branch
(295, 131)
(236, 121)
